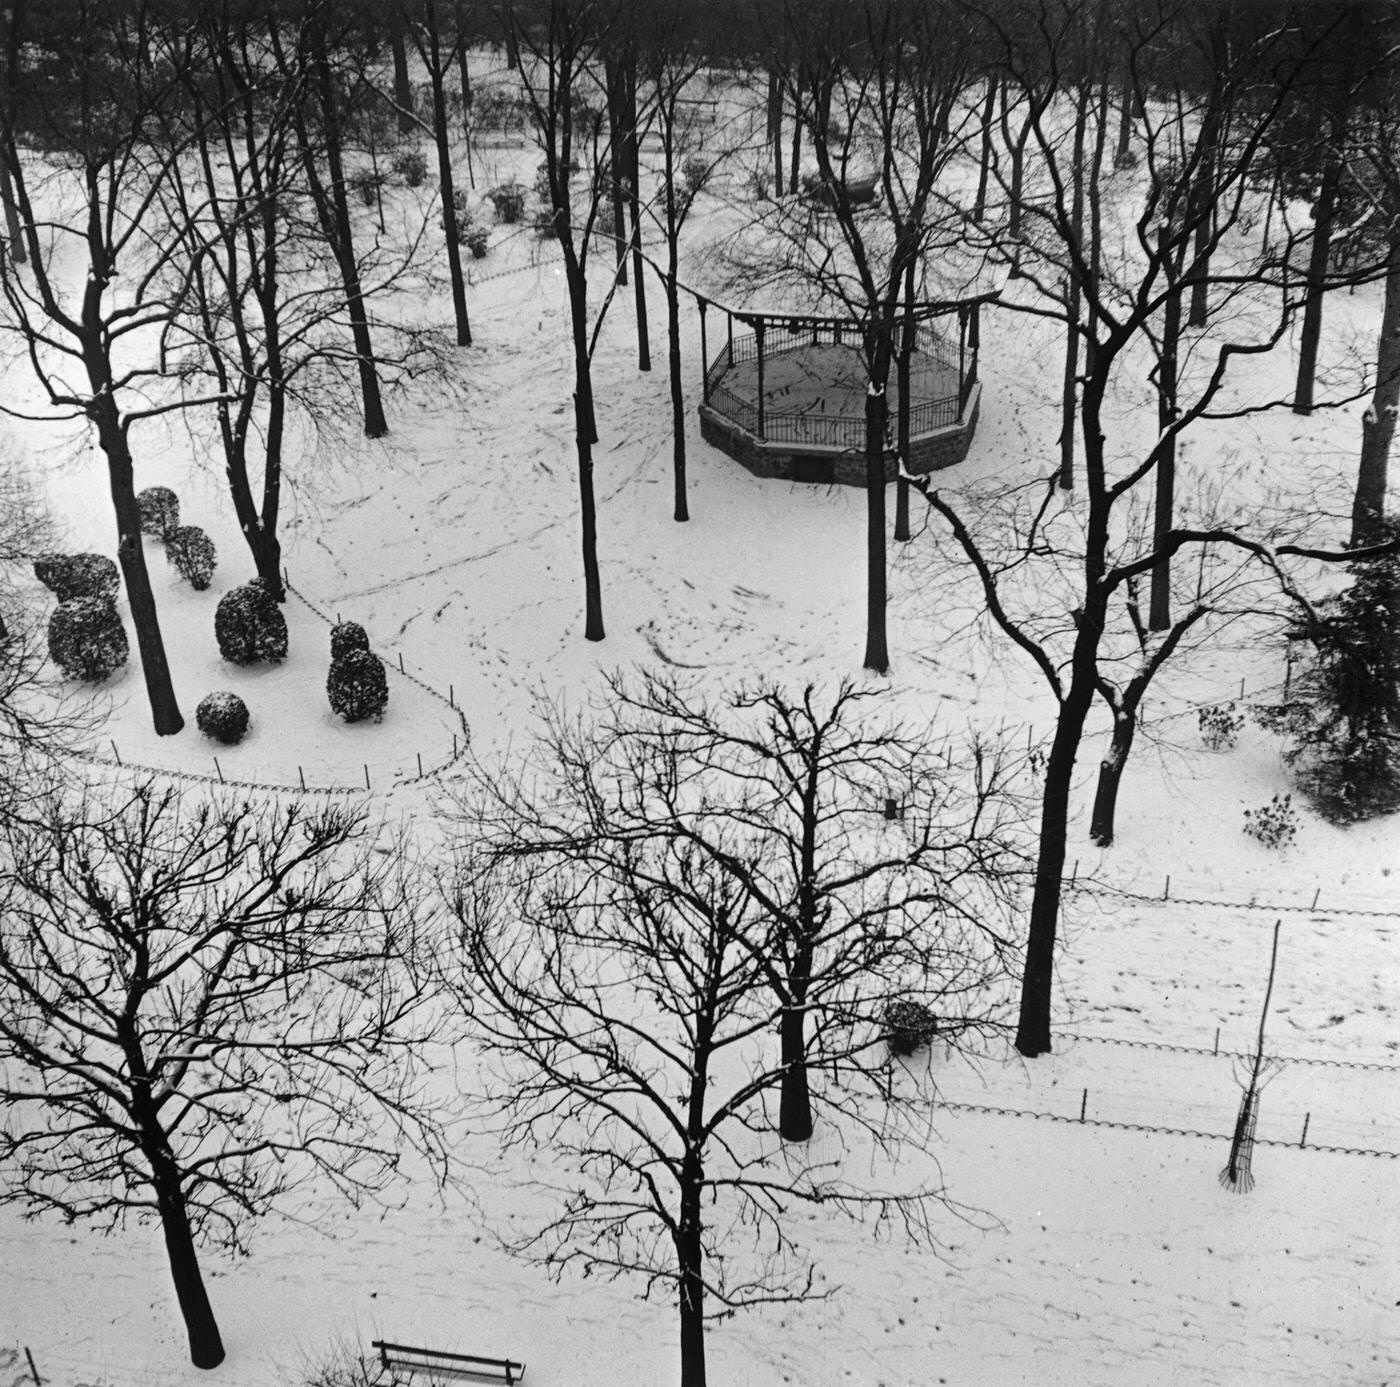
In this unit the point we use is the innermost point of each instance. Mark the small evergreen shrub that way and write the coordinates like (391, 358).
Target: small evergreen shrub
(1345, 716)
(908, 1026)
(411, 166)
(70, 576)
(193, 554)
(1220, 726)
(357, 687)
(1274, 824)
(87, 640)
(160, 510)
(695, 171)
(477, 239)
(222, 716)
(249, 625)
(509, 202)
(366, 182)
(347, 636)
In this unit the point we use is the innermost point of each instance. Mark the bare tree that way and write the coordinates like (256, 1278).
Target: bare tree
(82, 334)
(263, 328)
(628, 948)
(879, 89)
(201, 1006)
(560, 44)
(1170, 244)
(861, 848)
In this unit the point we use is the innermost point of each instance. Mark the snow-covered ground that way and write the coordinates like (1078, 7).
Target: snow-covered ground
(1090, 1255)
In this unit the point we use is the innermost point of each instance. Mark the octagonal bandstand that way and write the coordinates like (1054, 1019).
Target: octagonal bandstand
(785, 395)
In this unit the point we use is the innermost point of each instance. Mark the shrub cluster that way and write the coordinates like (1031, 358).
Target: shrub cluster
(411, 166)
(192, 553)
(223, 716)
(695, 171)
(249, 625)
(509, 202)
(908, 1026)
(1274, 824)
(71, 576)
(1220, 726)
(160, 510)
(367, 183)
(477, 239)
(86, 638)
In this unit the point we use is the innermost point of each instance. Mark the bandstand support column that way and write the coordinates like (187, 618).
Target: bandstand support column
(704, 354)
(758, 337)
(974, 341)
(962, 357)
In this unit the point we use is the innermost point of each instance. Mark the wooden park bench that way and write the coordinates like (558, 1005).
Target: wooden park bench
(397, 1358)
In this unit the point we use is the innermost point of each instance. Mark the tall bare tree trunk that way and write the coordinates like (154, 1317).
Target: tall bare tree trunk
(1320, 248)
(877, 654)
(437, 79)
(334, 210)
(1159, 605)
(1378, 422)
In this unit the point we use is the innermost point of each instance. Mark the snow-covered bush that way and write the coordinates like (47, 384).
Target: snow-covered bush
(695, 171)
(367, 183)
(411, 166)
(477, 239)
(509, 202)
(1274, 824)
(908, 1026)
(193, 554)
(249, 625)
(86, 638)
(70, 576)
(222, 716)
(160, 510)
(345, 637)
(357, 687)
(1220, 726)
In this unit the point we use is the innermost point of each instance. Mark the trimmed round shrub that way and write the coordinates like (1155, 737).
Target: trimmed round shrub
(87, 640)
(193, 554)
(70, 576)
(160, 510)
(357, 688)
(411, 166)
(222, 716)
(908, 1026)
(345, 637)
(249, 625)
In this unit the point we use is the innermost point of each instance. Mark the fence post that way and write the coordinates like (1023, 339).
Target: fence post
(115, 752)
(302, 778)
(366, 766)
(1084, 1105)
(1303, 1140)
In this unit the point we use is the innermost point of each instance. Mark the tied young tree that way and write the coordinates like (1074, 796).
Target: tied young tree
(87, 82)
(626, 951)
(1167, 242)
(202, 1008)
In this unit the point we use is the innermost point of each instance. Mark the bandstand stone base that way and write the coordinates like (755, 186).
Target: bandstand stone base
(825, 465)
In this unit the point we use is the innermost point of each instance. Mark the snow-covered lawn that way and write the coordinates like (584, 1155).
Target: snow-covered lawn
(1089, 1256)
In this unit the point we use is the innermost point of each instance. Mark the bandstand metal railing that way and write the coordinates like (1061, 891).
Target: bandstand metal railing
(771, 335)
